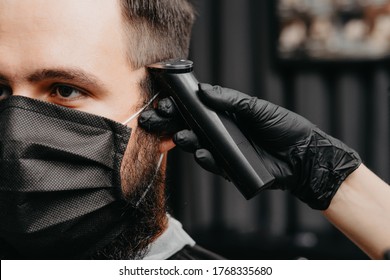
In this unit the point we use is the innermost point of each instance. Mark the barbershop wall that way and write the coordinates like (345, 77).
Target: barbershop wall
(232, 46)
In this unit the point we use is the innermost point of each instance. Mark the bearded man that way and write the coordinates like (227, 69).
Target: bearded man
(78, 177)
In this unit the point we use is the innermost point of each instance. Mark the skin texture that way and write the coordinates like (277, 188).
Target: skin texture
(361, 210)
(73, 53)
(69, 35)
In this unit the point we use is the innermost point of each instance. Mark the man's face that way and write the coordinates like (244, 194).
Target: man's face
(70, 53)
(73, 53)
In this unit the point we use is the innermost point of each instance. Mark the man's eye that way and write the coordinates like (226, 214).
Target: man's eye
(5, 92)
(63, 91)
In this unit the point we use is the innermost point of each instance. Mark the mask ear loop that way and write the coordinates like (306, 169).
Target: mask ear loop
(161, 156)
(140, 110)
(151, 183)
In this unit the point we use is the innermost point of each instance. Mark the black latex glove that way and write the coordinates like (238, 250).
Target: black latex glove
(301, 157)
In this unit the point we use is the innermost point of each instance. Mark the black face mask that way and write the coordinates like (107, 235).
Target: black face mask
(60, 185)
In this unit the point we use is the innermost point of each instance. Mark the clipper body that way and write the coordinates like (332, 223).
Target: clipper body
(218, 132)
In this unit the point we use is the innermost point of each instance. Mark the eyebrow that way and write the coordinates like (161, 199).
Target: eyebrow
(66, 74)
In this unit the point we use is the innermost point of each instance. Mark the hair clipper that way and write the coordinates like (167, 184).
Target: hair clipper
(218, 132)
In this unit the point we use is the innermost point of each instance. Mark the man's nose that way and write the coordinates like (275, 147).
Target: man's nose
(26, 92)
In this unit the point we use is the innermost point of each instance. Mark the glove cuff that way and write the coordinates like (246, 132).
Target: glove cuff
(325, 163)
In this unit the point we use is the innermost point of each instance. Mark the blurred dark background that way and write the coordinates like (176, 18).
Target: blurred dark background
(234, 44)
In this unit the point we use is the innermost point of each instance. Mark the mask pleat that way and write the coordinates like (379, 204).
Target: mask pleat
(60, 186)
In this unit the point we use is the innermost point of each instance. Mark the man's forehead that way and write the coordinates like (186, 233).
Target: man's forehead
(52, 33)
(64, 13)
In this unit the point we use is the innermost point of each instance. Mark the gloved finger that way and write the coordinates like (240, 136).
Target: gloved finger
(244, 106)
(271, 123)
(154, 123)
(225, 99)
(206, 160)
(166, 108)
(187, 140)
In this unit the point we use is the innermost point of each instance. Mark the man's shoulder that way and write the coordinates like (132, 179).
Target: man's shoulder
(195, 252)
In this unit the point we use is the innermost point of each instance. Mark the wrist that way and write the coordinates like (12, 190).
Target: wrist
(359, 208)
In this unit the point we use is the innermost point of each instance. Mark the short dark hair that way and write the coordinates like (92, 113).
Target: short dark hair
(157, 30)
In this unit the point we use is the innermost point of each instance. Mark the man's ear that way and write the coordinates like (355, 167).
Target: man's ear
(166, 144)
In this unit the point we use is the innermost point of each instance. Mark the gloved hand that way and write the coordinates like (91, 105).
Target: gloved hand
(301, 157)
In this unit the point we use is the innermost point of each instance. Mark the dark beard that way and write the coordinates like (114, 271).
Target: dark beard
(146, 212)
